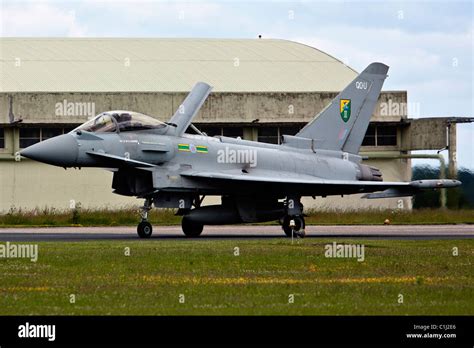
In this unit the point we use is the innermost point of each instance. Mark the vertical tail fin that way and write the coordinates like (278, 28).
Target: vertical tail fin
(342, 124)
(183, 117)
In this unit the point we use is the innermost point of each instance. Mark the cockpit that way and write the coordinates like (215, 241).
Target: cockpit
(121, 121)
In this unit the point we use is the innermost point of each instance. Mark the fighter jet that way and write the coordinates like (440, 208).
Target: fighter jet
(169, 168)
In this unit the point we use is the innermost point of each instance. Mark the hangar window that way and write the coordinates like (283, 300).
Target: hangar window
(380, 135)
(68, 129)
(211, 131)
(233, 132)
(386, 135)
(2, 138)
(268, 135)
(289, 130)
(47, 133)
(29, 136)
(369, 139)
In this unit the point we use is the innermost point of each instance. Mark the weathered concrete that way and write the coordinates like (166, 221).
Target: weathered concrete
(29, 185)
(34, 108)
(425, 134)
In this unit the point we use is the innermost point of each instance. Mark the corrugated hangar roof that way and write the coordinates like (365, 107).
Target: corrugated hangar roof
(166, 65)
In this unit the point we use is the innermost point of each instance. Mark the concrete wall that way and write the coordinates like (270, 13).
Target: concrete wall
(28, 184)
(220, 107)
(423, 134)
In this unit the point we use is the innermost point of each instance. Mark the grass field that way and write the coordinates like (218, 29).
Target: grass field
(259, 281)
(130, 217)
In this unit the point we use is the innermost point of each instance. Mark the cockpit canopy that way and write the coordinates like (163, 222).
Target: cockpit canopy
(123, 121)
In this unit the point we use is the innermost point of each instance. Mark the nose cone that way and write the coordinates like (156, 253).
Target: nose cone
(59, 151)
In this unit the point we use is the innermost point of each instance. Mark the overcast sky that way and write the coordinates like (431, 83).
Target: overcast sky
(427, 44)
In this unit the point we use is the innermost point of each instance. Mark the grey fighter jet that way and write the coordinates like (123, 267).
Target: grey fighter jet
(257, 182)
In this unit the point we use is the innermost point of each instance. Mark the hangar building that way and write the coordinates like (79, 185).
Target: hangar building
(263, 88)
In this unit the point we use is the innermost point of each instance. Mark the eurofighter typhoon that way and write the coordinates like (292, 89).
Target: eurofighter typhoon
(257, 182)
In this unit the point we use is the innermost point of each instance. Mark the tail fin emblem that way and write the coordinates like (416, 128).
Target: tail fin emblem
(345, 109)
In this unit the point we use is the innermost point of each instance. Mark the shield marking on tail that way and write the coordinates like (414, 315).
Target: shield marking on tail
(345, 109)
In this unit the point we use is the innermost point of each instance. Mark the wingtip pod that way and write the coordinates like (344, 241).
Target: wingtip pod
(435, 183)
(376, 68)
(414, 187)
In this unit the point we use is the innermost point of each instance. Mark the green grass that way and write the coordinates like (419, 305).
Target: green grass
(258, 282)
(396, 217)
(51, 217)
(130, 217)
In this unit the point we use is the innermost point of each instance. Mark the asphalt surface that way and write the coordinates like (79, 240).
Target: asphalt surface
(415, 232)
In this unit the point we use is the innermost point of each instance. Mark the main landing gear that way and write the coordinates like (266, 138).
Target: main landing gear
(191, 229)
(144, 228)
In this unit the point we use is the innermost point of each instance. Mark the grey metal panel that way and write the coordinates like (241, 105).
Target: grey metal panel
(119, 161)
(262, 175)
(305, 182)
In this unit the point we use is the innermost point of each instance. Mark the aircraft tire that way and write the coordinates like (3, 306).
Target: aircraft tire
(144, 229)
(191, 229)
(299, 225)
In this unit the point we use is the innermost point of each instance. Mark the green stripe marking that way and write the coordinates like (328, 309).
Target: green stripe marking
(201, 149)
(183, 147)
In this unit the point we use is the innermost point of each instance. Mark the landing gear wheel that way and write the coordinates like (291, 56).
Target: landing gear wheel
(191, 229)
(297, 230)
(144, 229)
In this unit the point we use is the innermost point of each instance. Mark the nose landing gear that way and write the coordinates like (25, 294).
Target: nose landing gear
(144, 228)
(294, 226)
(293, 222)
